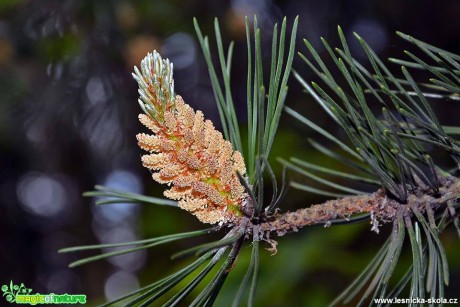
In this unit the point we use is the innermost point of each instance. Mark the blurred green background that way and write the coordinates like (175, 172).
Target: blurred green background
(68, 120)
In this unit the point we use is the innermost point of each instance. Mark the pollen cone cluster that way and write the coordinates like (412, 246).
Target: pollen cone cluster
(186, 151)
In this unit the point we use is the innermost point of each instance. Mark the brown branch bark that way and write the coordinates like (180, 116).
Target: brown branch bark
(382, 208)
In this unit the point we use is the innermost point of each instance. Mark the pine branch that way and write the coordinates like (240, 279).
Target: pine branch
(209, 178)
(205, 170)
(414, 193)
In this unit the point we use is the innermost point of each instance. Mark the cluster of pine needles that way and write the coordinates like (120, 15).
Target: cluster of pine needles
(392, 132)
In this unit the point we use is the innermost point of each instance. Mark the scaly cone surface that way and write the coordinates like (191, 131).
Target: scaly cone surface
(186, 151)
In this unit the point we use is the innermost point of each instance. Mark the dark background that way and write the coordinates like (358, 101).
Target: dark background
(68, 120)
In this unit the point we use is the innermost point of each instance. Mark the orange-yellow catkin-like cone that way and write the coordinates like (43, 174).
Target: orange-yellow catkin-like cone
(186, 151)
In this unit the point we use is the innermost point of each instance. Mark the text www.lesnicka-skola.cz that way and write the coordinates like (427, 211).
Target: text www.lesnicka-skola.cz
(416, 300)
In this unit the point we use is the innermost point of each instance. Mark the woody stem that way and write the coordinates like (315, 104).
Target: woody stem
(381, 207)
